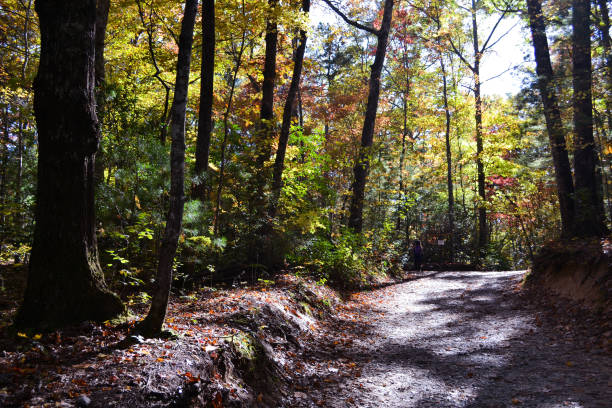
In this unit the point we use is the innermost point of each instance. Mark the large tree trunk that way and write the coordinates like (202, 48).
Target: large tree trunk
(265, 129)
(362, 165)
(205, 126)
(279, 162)
(483, 233)
(65, 281)
(266, 114)
(589, 202)
(552, 114)
(152, 324)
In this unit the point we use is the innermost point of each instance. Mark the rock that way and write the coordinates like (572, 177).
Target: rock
(82, 401)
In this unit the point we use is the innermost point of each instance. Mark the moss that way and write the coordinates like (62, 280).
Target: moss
(247, 349)
(306, 308)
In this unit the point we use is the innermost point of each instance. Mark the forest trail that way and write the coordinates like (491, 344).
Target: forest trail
(466, 339)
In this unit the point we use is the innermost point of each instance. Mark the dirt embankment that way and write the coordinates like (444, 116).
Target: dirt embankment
(581, 271)
(231, 347)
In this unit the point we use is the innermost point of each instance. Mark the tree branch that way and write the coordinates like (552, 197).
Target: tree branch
(354, 23)
(460, 55)
(501, 17)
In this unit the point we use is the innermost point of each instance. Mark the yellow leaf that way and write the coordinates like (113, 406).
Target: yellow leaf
(22, 335)
(159, 360)
(37, 336)
(137, 201)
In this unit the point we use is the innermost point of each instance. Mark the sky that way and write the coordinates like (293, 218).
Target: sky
(500, 67)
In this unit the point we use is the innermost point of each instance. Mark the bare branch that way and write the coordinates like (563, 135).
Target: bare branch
(354, 23)
(511, 67)
(501, 17)
(500, 37)
(460, 55)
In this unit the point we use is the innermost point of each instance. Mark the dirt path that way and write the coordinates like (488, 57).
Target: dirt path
(464, 339)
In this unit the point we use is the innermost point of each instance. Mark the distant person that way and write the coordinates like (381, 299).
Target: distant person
(417, 253)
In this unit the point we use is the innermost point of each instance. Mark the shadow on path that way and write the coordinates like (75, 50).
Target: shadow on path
(465, 339)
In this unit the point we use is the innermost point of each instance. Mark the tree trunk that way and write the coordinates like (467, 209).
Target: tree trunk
(4, 156)
(228, 109)
(102, 9)
(589, 203)
(152, 324)
(362, 165)
(206, 124)
(483, 235)
(266, 114)
(449, 162)
(604, 29)
(401, 196)
(552, 114)
(279, 162)
(65, 281)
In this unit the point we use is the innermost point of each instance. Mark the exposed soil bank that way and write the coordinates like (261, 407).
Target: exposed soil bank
(578, 270)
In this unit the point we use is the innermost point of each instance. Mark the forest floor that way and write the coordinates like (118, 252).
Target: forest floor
(435, 339)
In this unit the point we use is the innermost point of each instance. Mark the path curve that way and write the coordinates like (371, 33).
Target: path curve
(465, 339)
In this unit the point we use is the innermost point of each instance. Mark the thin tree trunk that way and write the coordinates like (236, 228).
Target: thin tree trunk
(65, 281)
(228, 109)
(19, 179)
(152, 324)
(102, 9)
(279, 162)
(589, 203)
(449, 162)
(165, 117)
(483, 235)
(5, 158)
(604, 29)
(362, 165)
(206, 124)
(400, 198)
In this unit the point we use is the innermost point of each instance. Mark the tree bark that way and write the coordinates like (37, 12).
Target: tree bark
(604, 29)
(206, 124)
(401, 204)
(362, 166)
(483, 234)
(228, 109)
(449, 162)
(152, 324)
(102, 9)
(65, 281)
(588, 199)
(4, 156)
(266, 114)
(279, 162)
(552, 114)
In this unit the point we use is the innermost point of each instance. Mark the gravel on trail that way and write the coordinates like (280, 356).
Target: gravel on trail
(467, 339)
